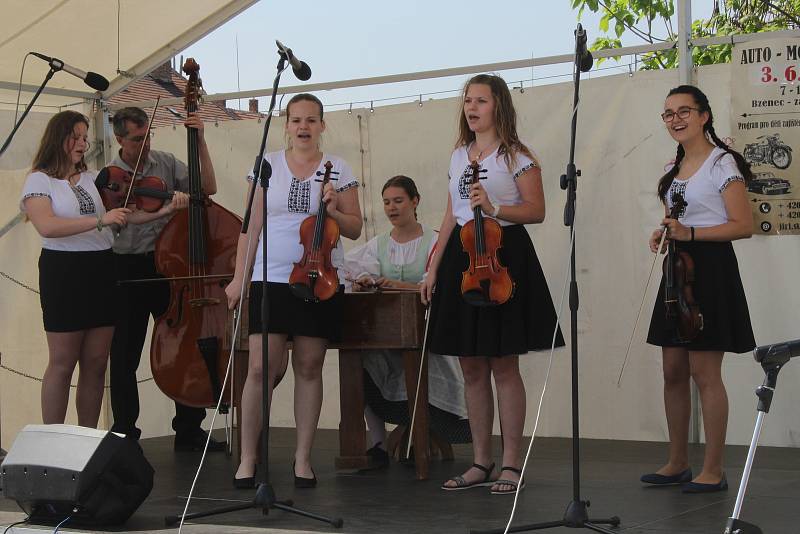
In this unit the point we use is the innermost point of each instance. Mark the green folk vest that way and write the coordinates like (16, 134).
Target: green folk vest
(411, 272)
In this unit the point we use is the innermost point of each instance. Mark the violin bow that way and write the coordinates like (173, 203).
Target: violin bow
(419, 380)
(141, 151)
(641, 306)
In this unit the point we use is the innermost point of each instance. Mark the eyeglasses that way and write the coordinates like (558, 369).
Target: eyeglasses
(682, 113)
(140, 138)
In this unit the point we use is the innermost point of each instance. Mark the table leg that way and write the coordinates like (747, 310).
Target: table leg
(412, 361)
(352, 429)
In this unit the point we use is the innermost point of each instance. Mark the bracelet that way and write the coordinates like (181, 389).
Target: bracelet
(100, 224)
(691, 229)
(496, 211)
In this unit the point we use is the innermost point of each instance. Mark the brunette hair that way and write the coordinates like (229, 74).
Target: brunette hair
(701, 100)
(304, 96)
(50, 157)
(505, 119)
(406, 184)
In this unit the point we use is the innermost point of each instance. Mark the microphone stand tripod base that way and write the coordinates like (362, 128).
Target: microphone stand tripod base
(264, 499)
(576, 516)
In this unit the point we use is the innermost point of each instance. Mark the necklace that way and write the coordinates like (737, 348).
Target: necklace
(485, 149)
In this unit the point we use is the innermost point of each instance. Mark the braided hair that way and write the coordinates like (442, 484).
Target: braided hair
(708, 128)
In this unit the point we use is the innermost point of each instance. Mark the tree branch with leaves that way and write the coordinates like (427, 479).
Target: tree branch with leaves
(729, 17)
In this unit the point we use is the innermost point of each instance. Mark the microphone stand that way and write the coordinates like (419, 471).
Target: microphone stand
(772, 359)
(27, 110)
(576, 514)
(265, 494)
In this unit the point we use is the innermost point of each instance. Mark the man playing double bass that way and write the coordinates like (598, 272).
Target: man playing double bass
(135, 259)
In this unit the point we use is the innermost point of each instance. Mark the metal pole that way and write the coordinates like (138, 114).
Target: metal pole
(685, 72)
(684, 38)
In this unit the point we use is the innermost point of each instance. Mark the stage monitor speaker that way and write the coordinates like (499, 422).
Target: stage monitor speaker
(58, 471)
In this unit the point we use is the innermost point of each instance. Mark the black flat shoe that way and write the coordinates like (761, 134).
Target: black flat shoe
(196, 442)
(667, 480)
(244, 483)
(379, 458)
(302, 482)
(699, 487)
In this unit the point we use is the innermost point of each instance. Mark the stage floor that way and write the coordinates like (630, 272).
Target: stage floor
(391, 501)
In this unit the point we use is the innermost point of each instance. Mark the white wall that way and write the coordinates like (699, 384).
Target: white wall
(622, 148)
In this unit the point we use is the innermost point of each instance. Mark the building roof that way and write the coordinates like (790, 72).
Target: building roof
(168, 83)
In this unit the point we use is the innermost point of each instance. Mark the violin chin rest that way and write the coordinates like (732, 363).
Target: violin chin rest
(477, 298)
(303, 291)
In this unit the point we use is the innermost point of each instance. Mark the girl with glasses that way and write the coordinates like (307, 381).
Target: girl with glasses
(711, 177)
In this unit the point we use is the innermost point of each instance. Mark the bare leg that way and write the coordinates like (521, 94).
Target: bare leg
(92, 373)
(511, 408)
(707, 374)
(64, 351)
(480, 407)
(678, 407)
(308, 356)
(252, 395)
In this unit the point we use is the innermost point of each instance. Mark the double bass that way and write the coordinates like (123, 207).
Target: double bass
(486, 281)
(681, 308)
(196, 253)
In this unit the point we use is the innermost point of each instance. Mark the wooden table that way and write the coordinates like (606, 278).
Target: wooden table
(386, 320)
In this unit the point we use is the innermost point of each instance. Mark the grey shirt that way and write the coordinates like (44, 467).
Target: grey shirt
(141, 238)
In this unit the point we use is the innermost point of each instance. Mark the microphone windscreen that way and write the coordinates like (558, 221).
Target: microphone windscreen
(586, 62)
(304, 72)
(96, 82)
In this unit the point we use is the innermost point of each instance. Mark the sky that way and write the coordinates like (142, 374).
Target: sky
(347, 39)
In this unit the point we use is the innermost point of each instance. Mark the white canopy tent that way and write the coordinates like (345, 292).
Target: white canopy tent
(104, 36)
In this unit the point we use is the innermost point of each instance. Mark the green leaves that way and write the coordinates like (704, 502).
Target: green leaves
(650, 20)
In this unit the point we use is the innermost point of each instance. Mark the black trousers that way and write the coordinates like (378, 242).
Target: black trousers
(136, 303)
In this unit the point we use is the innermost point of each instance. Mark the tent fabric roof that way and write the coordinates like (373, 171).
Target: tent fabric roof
(84, 33)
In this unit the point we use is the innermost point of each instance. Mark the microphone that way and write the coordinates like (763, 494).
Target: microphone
(301, 69)
(92, 79)
(583, 57)
(779, 353)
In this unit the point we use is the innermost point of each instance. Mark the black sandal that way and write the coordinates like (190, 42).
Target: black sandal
(515, 485)
(462, 484)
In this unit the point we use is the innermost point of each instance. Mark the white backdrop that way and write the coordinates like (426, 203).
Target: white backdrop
(622, 149)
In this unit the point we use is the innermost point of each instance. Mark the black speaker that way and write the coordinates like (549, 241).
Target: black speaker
(57, 471)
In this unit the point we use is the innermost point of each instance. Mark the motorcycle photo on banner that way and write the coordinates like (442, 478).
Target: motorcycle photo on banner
(766, 127)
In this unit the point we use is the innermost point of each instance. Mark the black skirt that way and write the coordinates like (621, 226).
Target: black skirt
(76, 289)
(524, 323)
(294, 316)
(718, 291)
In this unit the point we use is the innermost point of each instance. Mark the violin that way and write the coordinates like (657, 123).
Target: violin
(681, 308)
(486, 281)
(195, 252)
(314, 277)
(114, 184)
